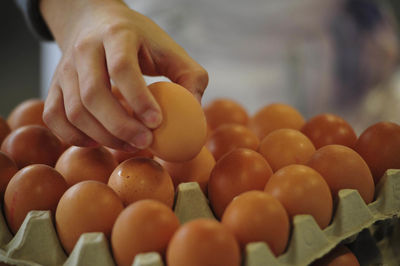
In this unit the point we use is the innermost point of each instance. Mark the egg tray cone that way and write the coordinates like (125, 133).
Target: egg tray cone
(371, 231)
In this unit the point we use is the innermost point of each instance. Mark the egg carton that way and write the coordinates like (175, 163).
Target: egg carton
(354, 223)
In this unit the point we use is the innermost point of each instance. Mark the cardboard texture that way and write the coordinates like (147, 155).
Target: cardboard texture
(371, 231)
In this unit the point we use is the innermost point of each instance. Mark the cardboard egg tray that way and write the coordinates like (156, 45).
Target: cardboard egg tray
(372, 231)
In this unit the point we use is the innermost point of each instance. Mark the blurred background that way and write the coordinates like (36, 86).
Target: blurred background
(339, 56)
(19, 59)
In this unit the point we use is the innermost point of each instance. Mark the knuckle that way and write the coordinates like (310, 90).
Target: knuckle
(82, 46)
(120, 63)
(113, 29)
(202, 77)
(66, 66)
(88, 93)
(49, 115)
(74, 113)
(119, 29)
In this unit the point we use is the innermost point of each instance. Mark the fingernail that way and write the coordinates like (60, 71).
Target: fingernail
(152, 118)
(142, 140)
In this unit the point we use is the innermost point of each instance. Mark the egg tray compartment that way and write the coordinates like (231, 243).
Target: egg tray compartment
(36, 242)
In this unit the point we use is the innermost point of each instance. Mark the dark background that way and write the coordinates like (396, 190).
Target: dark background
(19, 59)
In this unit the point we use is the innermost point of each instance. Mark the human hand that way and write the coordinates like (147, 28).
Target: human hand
(105, 40)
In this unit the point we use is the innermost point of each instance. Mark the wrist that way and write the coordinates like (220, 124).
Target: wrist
(64, 17)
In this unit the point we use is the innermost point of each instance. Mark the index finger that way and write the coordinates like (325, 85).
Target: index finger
(124, 70)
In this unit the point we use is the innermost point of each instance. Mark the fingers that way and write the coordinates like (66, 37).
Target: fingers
(94, 91)
(185, 71)
(55, 118)
(195, 81)
(177, 65)
(79, 116)
(124, 70)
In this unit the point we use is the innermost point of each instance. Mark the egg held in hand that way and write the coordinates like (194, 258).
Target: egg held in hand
(183, 130)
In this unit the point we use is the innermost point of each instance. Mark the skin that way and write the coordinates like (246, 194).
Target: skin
(103, 40)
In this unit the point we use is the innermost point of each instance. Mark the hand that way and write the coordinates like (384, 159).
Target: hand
(105, 40)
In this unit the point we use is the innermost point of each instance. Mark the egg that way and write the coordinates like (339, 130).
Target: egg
(35, 187)
(302, 190)
(78, 164)
(28, 112)
(342, 167)
(4, 129)
(142, 178)
(255, 216)
(238, 171)
(8, 168)
(32, 144)
(196, 170)
(88, 206)
(286, 146)
(225, 111)
(203, 242)
(183, 130)
(228, 137)
(379, 145)
(275, 116)
(143, 226)
(325, 129)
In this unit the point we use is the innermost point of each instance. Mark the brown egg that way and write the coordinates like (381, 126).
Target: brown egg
(142, 178)
(203, 242)
(8, 168)
(379, 145)
(238, 171)
(196, 170)
(257, 216)
(121, 156)
(228, 137)
(183, 131)
(302, 190)
(35, 187)
(78, 164)
(143, 226)
(225, 111)
(286, 146)
(28, 112)
(342, 167)
(88, 206)
(325, 129)
(4, 129)
(275, 116)
(32, 144)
